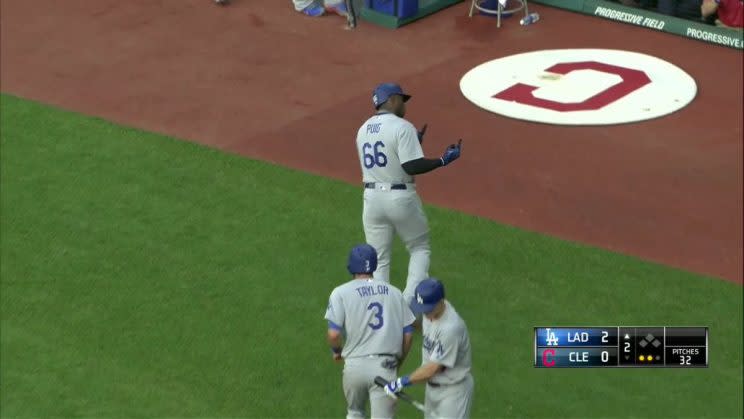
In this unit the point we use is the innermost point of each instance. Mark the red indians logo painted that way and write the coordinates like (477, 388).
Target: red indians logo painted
(632, 81)
(584, 86)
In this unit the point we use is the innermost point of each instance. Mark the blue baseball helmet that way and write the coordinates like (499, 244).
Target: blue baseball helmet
(362, 259)
(384, 91)
(429, 293)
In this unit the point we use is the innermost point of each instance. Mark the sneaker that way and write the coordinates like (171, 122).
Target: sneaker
(338, 8)
(314, 10)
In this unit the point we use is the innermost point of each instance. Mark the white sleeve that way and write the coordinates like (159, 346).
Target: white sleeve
(335, 310)
(409, 147)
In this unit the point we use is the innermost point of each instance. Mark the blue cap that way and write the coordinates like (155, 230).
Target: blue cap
(383, 92)
(429, 293)
(362, 259)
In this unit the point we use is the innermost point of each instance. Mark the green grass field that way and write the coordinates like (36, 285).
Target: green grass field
(148, 277)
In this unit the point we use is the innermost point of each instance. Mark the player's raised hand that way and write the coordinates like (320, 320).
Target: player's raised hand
(452, 153)
(421, 133)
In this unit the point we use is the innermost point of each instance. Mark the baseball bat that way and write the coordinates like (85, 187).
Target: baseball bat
(351, 16)
(401, 395)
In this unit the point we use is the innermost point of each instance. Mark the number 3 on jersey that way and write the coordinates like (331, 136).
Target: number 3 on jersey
(377, 158)
(377, 307)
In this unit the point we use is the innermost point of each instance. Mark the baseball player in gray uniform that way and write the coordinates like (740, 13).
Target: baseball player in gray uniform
(377, 326)
(390, 154)
(445, 356)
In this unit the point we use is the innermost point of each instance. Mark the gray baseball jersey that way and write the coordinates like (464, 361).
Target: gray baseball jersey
(446, 342)
(384, 142)
(373, 315)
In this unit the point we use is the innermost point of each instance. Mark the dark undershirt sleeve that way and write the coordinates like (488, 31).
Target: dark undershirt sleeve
(421, 166)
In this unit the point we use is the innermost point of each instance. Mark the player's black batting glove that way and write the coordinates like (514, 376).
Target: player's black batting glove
(452, 153)
(421, 133)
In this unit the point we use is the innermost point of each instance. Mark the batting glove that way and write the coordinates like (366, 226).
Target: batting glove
(452, 153)
(396, 386)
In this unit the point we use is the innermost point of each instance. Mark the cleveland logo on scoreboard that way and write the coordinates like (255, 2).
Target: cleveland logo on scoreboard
(547, 358)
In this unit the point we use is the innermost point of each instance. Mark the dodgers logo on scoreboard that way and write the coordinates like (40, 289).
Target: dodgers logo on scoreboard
(551, 339)
(579, 86)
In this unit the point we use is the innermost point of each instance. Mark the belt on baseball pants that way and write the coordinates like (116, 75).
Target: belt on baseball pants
(382, 355)
(394, 186)
(448, 384)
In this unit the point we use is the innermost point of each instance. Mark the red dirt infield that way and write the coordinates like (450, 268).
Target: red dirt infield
(259, 79)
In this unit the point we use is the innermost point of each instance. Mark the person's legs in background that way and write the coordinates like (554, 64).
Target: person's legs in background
(309, 7)
(684, 9)
(316, 8)
(667, 7)
(689, 9)
(336, 6)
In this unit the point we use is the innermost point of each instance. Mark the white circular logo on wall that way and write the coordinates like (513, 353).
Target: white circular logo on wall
(579, 86)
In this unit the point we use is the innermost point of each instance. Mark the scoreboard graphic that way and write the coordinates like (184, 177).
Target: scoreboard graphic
(617, 346)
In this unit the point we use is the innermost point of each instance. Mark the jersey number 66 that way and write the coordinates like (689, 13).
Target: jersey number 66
(377, 158)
